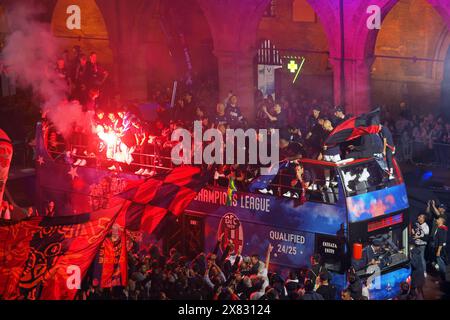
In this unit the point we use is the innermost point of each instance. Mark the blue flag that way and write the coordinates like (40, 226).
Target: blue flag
(264, 180)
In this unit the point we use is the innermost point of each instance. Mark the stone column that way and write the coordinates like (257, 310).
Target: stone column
(132, 77)
(234, 27)
(357, 84)
(236, 74)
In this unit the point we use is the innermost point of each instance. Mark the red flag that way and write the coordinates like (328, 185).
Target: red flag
(161, 196)
(62, 249)
(354, 128)
(111, 263)
(14, 249)
(62, 252)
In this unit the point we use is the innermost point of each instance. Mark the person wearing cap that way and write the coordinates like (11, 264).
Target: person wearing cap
(326, 290)
(433, 212)
(339, 116)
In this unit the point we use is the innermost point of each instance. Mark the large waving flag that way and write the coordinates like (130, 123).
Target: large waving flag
(161, 196)
(14, 249)
(61, 252)
(61, 248)
(355, 127)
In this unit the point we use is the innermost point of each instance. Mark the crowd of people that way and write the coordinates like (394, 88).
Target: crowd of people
(226, 275)
(420, 139)
(82, 73)
(429, 250)
(120, 139)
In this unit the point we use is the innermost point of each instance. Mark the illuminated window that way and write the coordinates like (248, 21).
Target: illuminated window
(271, 9)
(268, 54)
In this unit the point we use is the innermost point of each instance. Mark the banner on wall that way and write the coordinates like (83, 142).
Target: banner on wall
(266, 79)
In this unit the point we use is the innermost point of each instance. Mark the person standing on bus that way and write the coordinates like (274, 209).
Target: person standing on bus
(330, 153)
(368, 146)
(388, 147)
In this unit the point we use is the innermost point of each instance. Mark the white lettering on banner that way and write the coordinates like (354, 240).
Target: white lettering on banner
(329, 247)
(248, 202)
(288, 237)
(255, 203)
(73, 22)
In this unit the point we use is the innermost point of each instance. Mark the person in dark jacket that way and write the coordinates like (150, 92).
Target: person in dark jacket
(326, 290)
(310, 294)
(355, 286)
(233, 114)
(339, 116)
(316, 268)
(388, 147)
(292, 283)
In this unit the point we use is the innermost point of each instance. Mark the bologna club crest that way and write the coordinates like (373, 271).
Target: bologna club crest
(231, 228)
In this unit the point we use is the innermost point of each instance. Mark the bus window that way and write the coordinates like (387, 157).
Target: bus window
(316, 183)
(386, 251)
(386, 247)
(363, 177)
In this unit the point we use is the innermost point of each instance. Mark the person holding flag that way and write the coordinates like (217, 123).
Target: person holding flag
(231, 190)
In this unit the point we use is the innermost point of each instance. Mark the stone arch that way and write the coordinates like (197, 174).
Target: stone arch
(440, 54)
(328, 17)
(417, 82)
(365, 36)
(173, 40)
(93, 35)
